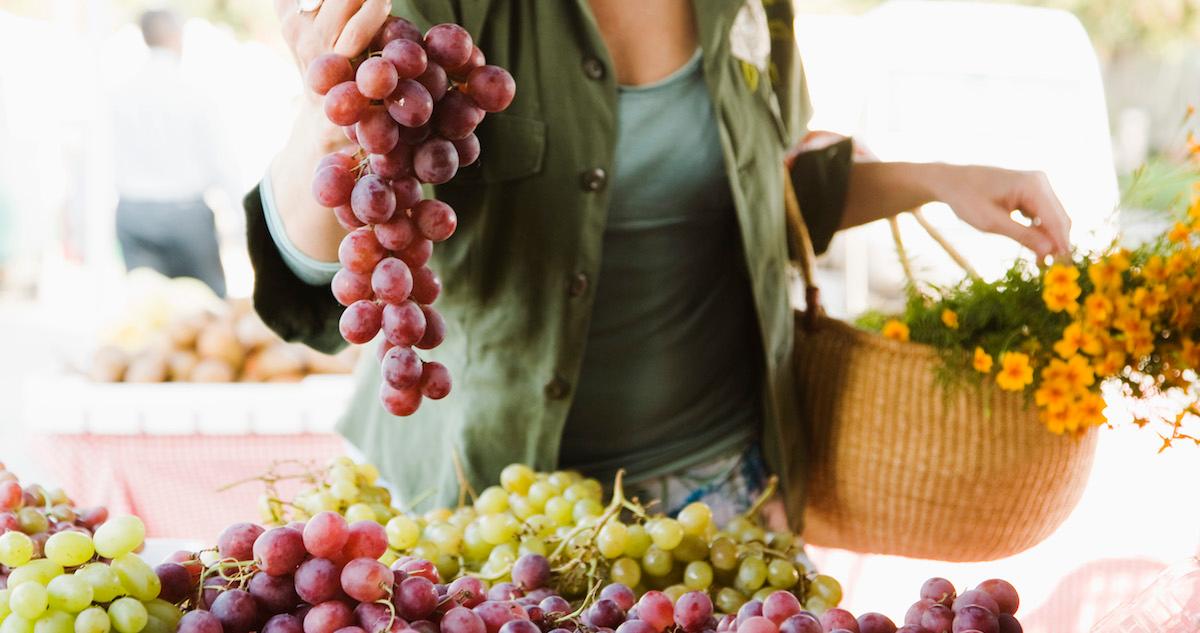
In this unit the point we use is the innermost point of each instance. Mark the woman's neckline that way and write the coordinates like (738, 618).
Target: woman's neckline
(676, 75)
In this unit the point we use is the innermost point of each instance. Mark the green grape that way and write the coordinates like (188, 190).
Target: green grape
(39, 570)
(106, 585)
(579, 491)
(752, 534)
(762, 594)
(154, 625)
(119, 536)
(474, 546)
(625, 571)
(447, 565)
(520, 506)
(517, 478)
(751, 574)
(782, 574)
(824, 588)
(54, 622)
(729, 600)
(499, 528)
(127, 615)
(666, 533)
(637, 541)
(4, 608)
(402, 532)
(28, 600)
(540, 525)
(612, 538)
(492, 500)
(782, 541)
(92, 620)
(723, 554)
(560, 480)
(137, 577)
(325, 502)
(586, 507)
(16, 549)
(695, 518)
(344, 490)
(359, 512)
(532, 545)
(165, 611)
(32, 521)
(382, 511)
(691, 548)
(16, 624)
(425, 550)
(657, 561)
(389, 557)
(69, 593)
(69, 549)
(503, 555)
(539, 493)
(438, 515)
(462, 517)
(698, 575)
(674, 592)
(446, 537)
(559, 510)
(816, 605)
(367, 472)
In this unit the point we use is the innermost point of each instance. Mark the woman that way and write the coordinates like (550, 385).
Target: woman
(616, 292)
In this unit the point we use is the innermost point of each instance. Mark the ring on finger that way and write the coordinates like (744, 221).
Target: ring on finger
(308, 6)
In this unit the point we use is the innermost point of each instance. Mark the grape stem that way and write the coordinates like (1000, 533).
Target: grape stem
(763, 498)
(464, 487)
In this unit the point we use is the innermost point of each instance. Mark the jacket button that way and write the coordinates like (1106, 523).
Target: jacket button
(593, 179)
(557, 388)
(593, 68)
(577, 285)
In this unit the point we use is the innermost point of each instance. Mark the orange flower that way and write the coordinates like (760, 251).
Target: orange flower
(1072, 340)
(1078, 374)
(1015, 371)
(1111, 365)
(1179, 233)
(1097, 309)
(950, 318)
(1140, 342)
(1090, 411)
(1052, 396)
(895, 330)
(1061, 298)
(1056, 421)
(982, 361)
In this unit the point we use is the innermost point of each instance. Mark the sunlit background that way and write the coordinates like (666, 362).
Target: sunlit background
(1091, 91)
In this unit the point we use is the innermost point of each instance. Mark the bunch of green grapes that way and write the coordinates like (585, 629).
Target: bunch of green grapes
(73, 590)
(344, 487)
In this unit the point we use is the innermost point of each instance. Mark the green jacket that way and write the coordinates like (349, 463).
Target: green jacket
(519, 272)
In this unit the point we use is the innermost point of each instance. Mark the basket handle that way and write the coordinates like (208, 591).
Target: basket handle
(804, 253)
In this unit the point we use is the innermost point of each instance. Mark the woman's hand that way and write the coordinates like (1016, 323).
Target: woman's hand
(345, 27)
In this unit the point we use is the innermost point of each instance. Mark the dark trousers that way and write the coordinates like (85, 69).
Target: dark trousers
(177, 239)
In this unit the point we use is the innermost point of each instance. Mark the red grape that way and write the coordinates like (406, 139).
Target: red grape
(457, 116)
(237, 541)
(367, 539)
(939, 590)
(435, 81)
(491, 88)
(519, 626)
(976, 596)
(326, 71)
(415, 598)
(917, 611)
(318, 580)
(376, 131)
(401, 367)
(780, 606)
(366, 579)
(505, 591)
(462, 620)
(348, 287)
(476, 60)
(874, 623)
(326, 533)
(360, 250)
(495, 614)
(396, 28)
(372, 616)
(1009, 624)
(620, 594)
(236, 610)
(200, 622)
(373, 200)
(282, 623)
(280, 551)
(351, 133)
(468, 150)
(531, 571)
(360, 322)
(839, 619)
(435, 329)
(376, 77)
(655, 608)
(410, 104)
(468, 591)
(758, 624)
(408, 192)
(435, 385)
(635, 626)
(394, 164)
(344, 104)
(341, 159)
(400, 402)
(449, 45)
(403, 323)
(332, 186)
(555, 604)
(692, 610)
(396, 234)
(973, 616)
(421, 569)
(407, 56)
(417, 253)
(1003, 593)
(938, 619)
(426, 286)
(275, 594)
(213, 586)
(391, 280)
(328, 617)
(175, 580)
(804, 623)
(435, 161)
(435, 220)
(346, 218)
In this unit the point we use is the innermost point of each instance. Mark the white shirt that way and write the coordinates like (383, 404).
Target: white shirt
(164, 139)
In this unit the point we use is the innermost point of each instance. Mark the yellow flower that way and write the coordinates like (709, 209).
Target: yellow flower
(895, 330)
(1179, 233)
(1189, 354)
(1078, 374)
(1176, 264)
(1106, 273)
(1111, 365)
(1155, 269)
(1052, 396)
(1015, 372)
(1140, 342)
(1090, 411)
(1060, 275)
(1056, 421)
(1061, 298)
(950, 318)
(982, 361)
(1072, 340)
(1097, 309)
(1128, 321)
(1150, 300)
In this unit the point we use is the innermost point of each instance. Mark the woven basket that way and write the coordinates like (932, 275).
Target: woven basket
(895, 464)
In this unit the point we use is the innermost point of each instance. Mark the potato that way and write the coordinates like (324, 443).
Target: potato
(340, 363)
(218, 342)
(147, 367)
(184, 331)
(252, 332)
(180, 365)
(108, 364)
(213, 370)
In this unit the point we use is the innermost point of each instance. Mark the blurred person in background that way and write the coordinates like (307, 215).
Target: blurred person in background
(166, 157)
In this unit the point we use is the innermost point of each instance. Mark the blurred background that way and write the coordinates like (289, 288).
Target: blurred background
(93, 119)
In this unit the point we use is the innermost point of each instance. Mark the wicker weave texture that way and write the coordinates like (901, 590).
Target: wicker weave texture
(897, 465)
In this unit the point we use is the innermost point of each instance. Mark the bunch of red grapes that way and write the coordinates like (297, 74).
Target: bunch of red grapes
(411, 106)
(40, 513)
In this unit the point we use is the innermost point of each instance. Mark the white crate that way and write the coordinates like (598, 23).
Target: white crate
(74, 404)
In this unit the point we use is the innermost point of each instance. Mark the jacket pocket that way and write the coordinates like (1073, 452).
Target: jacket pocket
(512, 147)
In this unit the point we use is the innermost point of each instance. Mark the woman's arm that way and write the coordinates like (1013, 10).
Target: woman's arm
(983, 197)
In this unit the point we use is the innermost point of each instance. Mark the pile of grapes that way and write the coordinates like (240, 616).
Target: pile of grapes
(411, 105)
(349, 489)
(39, 513)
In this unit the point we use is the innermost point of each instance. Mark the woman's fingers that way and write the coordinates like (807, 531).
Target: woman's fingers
(1039, 203)
(1031, 237)
(332, 19)
(362, 26)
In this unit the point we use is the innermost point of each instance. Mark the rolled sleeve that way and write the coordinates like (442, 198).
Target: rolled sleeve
(821, 178)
